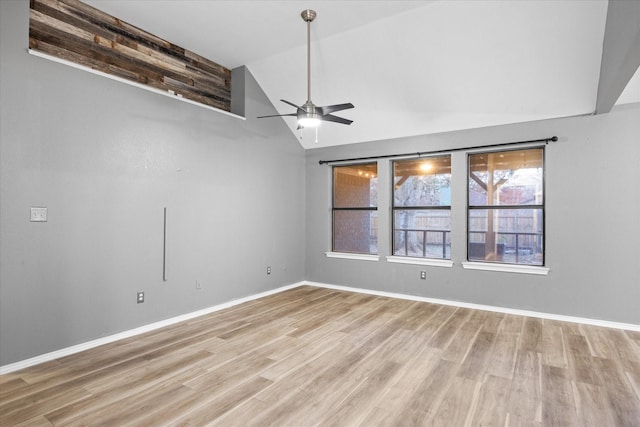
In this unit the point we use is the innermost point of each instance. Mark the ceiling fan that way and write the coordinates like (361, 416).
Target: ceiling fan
(310, 115)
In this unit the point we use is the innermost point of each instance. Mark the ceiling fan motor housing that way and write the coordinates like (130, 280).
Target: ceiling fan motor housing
(308, 115)
(309, 109)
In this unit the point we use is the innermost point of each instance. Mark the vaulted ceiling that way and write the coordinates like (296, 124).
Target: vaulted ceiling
(409, 67)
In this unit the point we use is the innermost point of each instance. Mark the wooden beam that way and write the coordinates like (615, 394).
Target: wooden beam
(478, 181)
(620, 52)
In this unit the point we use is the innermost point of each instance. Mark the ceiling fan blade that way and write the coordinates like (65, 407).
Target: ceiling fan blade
(328, 109)
(292, 104)
(277, 115)
(336, 119)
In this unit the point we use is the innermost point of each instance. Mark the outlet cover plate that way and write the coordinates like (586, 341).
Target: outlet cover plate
(140, 297)
(38, 214)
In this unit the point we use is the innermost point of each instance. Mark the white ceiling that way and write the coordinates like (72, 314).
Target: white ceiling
(409, 67)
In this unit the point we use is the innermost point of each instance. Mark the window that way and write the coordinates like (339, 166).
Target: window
(506, 207)
(422, 207)
(355, 208)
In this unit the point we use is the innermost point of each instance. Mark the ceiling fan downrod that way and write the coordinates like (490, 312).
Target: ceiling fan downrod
(308, 16)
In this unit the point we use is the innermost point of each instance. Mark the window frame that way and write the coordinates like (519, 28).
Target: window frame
(395, 208)
(334, 209)
(492, 208)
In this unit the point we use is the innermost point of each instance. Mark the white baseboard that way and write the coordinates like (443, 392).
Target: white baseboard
(12, 367)
(156, 325)
(537, 314)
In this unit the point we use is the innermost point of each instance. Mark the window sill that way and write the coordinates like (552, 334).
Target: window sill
(346, 255)
(420, 261)
(507, 268)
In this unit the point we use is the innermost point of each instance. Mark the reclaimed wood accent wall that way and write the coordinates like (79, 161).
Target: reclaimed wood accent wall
(76, 32)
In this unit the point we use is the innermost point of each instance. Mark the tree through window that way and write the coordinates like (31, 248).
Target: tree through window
(422, 207)
(506, 207)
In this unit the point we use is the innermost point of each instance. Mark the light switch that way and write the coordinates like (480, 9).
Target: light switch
(38, 214)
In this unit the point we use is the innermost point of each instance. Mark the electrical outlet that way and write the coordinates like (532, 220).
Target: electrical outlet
(198, 284)
(423, 275)
(268, 271)
(140, 297)
(38, 214)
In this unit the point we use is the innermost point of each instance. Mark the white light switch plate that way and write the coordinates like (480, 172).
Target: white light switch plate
(38, 214)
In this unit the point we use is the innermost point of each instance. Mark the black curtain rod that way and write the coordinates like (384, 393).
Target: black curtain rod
(450, 150)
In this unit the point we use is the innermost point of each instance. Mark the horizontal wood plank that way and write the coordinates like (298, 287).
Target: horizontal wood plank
(76, 32)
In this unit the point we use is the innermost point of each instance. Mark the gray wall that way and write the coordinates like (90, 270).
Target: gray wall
(106, 158)
(592, 221)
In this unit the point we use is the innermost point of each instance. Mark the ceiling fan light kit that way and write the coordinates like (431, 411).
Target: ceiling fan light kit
(309, 115)
(309, 120)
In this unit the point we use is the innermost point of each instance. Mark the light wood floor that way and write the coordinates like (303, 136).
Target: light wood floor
(313, 356)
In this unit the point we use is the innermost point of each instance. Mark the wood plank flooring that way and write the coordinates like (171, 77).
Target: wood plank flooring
(320, 357)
